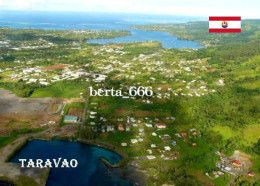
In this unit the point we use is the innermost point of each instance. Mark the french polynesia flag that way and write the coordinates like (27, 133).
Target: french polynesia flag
(225, 24)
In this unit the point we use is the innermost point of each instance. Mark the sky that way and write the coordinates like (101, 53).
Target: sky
(244, 8)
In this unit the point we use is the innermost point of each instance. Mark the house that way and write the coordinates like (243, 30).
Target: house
(174, 143)
(124, 144)
(227, 169)
(44, 83)
(251, 173)
(32, 81)
(236, 163)
(150, 157)
(71, 119)
(99, 78)
(167, 148)
(165, 137)
(134, 140)
(160, 125)
(153, 145)
(154, 134)
(220, 82)
(194, 144)
(127, 128)
(121, 127)
(184, 134)
(103, 128)
(120, 119)
(149, 125)
(110, 128)
(51, 122)
(132, 120)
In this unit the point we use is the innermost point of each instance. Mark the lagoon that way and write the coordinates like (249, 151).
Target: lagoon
(167, 40)
(101, 21)
(90, 171)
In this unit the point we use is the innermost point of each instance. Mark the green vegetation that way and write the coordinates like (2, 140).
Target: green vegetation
(226, 132)
(225, 114)
(61, 89)
(199, 31)
(6, 140)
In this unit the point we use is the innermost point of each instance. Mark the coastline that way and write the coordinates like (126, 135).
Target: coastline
(40, 176)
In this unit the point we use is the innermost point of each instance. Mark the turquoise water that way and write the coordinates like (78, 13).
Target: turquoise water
(101, 21)
(90, 171)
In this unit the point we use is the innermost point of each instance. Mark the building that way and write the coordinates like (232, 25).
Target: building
(150, 157)
(71, 119)
(160, 125)
(227, 169)
(124, 144)
(110, 128)
(220, 82)
(236, 163)
(251, 173)
(165, 137)
(127, 128)
(121, 127)
(134, 140)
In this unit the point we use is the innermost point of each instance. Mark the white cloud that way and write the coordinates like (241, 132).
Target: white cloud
(247, 8)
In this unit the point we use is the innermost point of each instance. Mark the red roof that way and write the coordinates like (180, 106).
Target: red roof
(120, 127)
(184, 134)
(237, 163)
(161, 124)
(194, 144)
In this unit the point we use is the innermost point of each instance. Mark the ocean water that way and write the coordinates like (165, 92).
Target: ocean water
(101, 21)
(90, 171)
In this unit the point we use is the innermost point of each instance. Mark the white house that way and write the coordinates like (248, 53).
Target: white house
(160, 125)
(167, 148)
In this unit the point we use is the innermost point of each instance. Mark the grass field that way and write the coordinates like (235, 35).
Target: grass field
(251, 85)
(226, 132)
(61, 89)
(251, 134)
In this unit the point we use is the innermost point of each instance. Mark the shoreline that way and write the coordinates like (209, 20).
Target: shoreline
(123, 162)
(41, 176)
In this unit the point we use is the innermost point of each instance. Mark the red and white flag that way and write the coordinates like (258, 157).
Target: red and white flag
(225, 24)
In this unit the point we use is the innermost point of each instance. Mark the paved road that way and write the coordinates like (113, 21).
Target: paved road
(85, 107)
